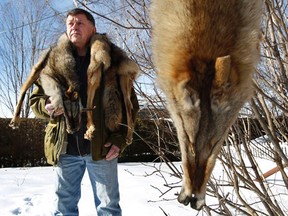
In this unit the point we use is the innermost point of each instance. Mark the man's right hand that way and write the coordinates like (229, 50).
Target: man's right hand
(51, 110)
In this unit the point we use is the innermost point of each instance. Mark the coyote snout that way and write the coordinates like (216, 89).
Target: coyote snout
(72, 111)
(205, 53)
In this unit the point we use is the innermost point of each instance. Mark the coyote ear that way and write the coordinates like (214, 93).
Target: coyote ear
(222, 70)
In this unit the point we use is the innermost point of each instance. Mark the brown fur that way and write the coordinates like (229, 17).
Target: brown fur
(117, 63)
(205, 53)
(99, 60)
(33, 76)
(60, 81)
(57, 72)
(127, 71)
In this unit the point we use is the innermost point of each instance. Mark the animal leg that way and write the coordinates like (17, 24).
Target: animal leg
(34, 75)
(100, 60)
(190, 192)
(52, 89)
(184, 107)
(188, 159)
(187, 156)
(128, 71)
(94, 78)
(126, 85)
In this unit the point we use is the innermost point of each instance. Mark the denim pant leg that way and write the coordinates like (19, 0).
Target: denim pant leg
(104, 180)
(69, 173)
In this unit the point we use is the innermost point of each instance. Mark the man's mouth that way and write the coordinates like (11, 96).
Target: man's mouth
(75, 34)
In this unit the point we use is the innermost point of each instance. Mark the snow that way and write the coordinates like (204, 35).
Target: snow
(29, 191)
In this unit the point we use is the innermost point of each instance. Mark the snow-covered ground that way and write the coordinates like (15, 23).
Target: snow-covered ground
(29, 191)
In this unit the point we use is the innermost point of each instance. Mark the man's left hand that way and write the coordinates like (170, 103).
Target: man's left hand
(113, 152)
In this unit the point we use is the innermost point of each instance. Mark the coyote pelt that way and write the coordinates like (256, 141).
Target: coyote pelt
(116, 66)
(57, 71)
(205, 54)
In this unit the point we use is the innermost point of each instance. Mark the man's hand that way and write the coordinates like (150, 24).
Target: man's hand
(51, 110)
(113, 152)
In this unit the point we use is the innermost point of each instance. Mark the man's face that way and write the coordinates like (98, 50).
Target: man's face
(79, 30)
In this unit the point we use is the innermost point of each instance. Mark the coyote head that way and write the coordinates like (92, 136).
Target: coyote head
(72, 110)
(203, 109)
(63, 96)
(205, 53)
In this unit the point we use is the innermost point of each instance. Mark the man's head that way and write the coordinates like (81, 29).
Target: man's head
(80, 26)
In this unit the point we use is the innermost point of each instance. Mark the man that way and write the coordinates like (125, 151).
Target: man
(71, 153)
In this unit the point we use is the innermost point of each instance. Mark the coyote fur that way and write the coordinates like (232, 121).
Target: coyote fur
(56, 69)
(205, 53)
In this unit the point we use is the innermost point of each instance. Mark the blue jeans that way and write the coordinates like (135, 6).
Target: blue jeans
(104, 181)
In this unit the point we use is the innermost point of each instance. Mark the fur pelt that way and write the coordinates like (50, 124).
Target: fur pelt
(113, 63)
(60, 81)
(57, 71)
(205, 53)
(116, 66)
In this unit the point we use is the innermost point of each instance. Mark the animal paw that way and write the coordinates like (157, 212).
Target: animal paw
(14, 123)
(182, 198)
(195, 203)
(89, 132)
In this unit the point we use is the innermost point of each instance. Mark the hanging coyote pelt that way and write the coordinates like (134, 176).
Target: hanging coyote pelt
(56, 69)
(117, 65)
(205, 53)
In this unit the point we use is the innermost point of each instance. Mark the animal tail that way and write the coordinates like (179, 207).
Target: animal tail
(34, 75)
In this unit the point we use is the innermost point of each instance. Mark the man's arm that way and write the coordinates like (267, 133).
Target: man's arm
(38, 101)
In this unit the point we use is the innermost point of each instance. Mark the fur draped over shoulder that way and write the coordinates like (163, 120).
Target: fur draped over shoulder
(118, 73)
(56, 69)
(118, 69)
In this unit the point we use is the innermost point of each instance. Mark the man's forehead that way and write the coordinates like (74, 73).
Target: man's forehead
(78, 17)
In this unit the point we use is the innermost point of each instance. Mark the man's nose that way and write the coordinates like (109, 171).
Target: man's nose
(74, 26)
